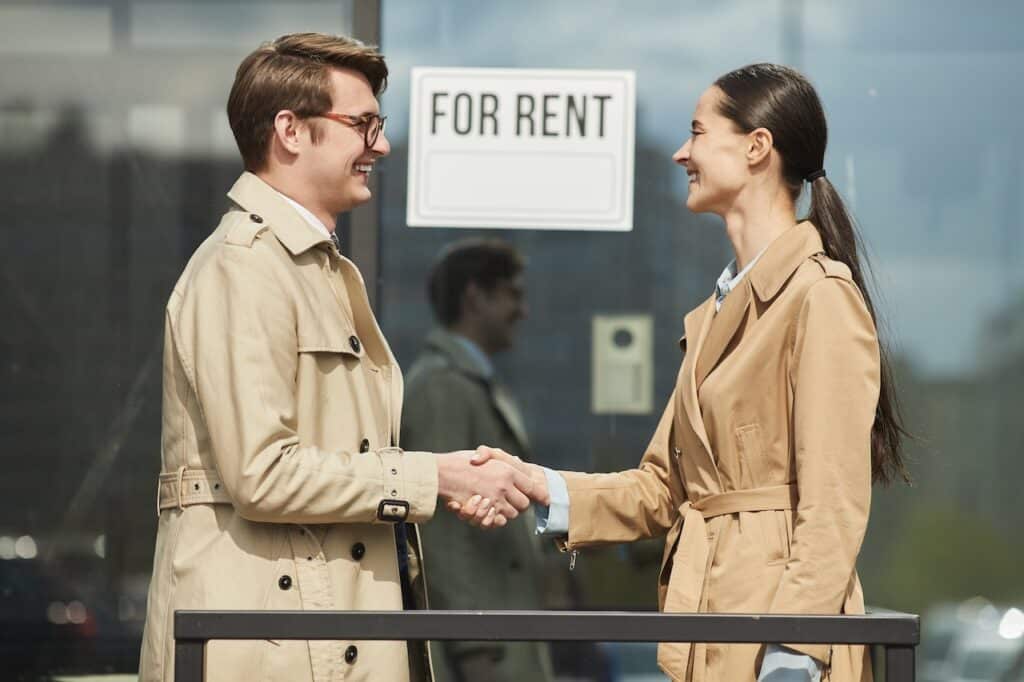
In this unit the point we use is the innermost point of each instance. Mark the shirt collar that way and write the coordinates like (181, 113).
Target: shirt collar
(483, 362)
(730, 279)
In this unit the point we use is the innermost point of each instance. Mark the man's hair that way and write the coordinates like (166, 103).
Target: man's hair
(485, 262)
(293, 72)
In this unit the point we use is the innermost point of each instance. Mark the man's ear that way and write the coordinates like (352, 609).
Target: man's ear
(288, 131)
(759, 146)
(472, 298)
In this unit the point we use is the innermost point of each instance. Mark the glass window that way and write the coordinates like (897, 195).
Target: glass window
(925, 144)
(115, 155)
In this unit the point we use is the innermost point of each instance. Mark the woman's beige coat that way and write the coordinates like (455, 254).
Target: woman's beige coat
(281, 480)
(760, 469)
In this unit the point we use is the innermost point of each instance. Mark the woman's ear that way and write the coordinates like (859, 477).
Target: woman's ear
(759, 146)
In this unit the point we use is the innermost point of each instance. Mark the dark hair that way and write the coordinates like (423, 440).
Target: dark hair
(293, 72)
(482, 261)
(784, 102)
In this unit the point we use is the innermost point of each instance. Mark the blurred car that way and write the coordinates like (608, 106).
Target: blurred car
(986, 653)
(1016, 670)
(50, 623)
(940, 626)
(1012, 626)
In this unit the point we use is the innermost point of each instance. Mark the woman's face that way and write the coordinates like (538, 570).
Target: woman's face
(715, 157)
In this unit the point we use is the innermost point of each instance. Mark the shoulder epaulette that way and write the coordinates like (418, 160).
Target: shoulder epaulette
(242, 229)
(833, 268)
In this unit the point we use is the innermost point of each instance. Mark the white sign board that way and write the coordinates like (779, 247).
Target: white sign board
(521, 148)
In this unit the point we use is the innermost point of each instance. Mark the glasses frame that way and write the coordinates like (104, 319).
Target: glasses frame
(356, 122)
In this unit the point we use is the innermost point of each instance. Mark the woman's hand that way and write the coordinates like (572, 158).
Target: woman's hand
(478, 510)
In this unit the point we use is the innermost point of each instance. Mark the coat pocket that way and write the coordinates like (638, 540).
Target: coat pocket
(774, 525)
(753, 467)
(346, 345)
(334, 350)
(775, 532)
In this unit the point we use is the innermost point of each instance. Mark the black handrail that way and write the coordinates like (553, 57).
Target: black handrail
(898, 633)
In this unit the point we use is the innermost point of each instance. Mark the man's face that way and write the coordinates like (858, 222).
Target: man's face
(338, 166)
(500, 311)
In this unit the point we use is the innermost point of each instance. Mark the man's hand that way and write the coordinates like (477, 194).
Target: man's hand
(539, 493)
(477, 510)
(503, 486)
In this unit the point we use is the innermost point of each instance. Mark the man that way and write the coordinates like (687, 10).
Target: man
(454, 399)
(283, 486)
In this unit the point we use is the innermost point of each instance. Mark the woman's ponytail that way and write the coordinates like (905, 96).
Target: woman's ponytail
(842, 243)
(783, 101)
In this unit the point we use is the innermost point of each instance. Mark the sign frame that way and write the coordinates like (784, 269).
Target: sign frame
(435, 197)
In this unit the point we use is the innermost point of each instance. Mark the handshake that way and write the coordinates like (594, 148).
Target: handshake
(489, 487)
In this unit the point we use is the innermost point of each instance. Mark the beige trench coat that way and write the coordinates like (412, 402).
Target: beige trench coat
(281, 480)
(760, 469)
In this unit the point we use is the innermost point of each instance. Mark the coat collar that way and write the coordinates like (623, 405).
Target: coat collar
(254, 195)
(445, 343)
(772, 270)
(783, 257)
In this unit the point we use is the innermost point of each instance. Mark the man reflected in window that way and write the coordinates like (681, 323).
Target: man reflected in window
(453, 396)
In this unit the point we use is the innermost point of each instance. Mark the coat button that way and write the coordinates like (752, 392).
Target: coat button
(285, 582)
(364, 446)
(350, 654)
(255, 218)
(354, 342)
(358, 551)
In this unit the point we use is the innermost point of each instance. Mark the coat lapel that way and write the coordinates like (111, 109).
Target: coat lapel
(723, 328)
(507, 407)
(696, 326)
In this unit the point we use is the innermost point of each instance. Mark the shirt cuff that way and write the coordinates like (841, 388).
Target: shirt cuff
(785, 665)
(554, 518)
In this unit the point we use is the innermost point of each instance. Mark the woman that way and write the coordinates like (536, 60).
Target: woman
(761, 467)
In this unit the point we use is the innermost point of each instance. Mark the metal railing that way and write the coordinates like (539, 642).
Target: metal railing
(898, 633)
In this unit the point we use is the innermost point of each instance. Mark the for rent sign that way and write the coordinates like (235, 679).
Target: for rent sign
(521, 148)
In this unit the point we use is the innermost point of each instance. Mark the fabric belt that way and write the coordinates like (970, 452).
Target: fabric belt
(691, 555)
(185, 487)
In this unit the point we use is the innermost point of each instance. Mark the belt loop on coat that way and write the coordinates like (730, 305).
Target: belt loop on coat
(181, 475)
(159, 485)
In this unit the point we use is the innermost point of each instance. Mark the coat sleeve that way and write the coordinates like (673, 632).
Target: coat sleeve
(835, 381)
(628, 505)
(235, 333)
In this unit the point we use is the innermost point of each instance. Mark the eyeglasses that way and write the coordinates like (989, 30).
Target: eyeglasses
(372, 125)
